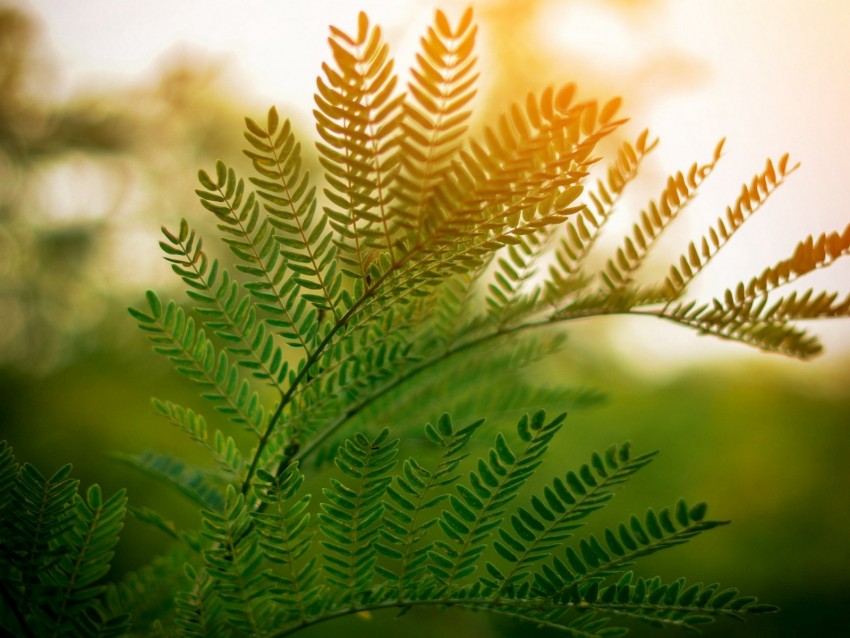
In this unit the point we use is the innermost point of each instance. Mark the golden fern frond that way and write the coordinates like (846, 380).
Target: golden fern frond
(583, 230)
(810, 254)
(751, 199)
(805, 306)
(517, 181)
(436, 115)
(769, 335)
(359, 118)
(677, 194)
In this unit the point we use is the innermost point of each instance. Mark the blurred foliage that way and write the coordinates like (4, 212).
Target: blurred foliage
(81, 179)
(767, 450)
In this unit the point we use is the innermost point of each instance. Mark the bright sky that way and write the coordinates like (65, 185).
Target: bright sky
(779, 80)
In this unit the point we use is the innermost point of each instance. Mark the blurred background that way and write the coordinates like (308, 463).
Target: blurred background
(108, 109)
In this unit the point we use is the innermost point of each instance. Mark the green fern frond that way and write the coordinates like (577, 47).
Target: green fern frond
(479, 507)
(351, 517)
(9, 469)
(592, 560)
(194, 356)
(36, 525)
(87, 545)
(559, 512)
(189, 481)
(416, 491)
(223, 449)
(285, 538)
(147, 595)
(253, 240)
(234, 563)
(199, 612)
(290, 201)
(56, 549)
(676, 603)
(227, 313)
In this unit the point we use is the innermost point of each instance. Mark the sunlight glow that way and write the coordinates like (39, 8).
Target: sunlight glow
(586, 27)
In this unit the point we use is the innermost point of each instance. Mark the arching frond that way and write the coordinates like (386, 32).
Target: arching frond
(751, 199)
(436, 117)
(809, 255)
(290, 200)
(677, 194)
(193, 355)
(252, 238)
(406, 284)
(359, 117)
(229, 314)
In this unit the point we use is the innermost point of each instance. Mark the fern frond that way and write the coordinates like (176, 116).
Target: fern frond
(227, 313)
(193, 355)
(222, 448)
(56, 548)
(593, 560)
(735, 325)
(566, 275)
(508, 296)
(351, 517)
(412, 496)
(285, 538)
(559, 512)
(189, 481)
(677, 194)
(805, 306)
(435, 116)
(359, 119)
(290, 200)
(676, 603)
(148, 594)
(809, 255)
(751, 199)
(252, 238)
(478, 508)
(9, 469)
(33, 536)
(233, 564)
(199, 612)
(88, 545)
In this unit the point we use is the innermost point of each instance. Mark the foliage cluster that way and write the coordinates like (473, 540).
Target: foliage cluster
(428, 260)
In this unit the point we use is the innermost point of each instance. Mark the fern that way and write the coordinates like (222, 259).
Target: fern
(56, 549)
(421, 272)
